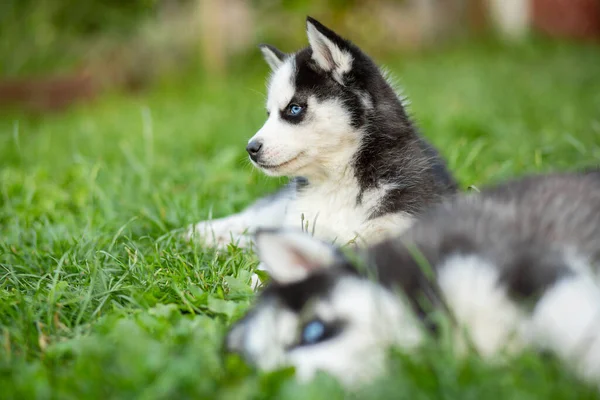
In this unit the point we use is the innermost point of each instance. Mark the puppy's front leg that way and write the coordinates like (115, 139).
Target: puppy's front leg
(268, 212)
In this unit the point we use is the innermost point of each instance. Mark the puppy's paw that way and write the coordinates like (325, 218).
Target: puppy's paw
(219, 233)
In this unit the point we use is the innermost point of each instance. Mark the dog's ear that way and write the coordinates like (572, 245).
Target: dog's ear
(291, 256)
(273, 56)
(330, 51)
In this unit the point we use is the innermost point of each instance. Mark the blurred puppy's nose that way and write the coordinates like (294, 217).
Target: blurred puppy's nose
(253, 149)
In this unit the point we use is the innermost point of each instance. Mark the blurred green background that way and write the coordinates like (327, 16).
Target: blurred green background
(123, 121)
(57, 52)
(65, 51)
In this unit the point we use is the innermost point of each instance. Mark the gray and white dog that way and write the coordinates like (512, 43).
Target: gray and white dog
(515, 267)
(336, 126)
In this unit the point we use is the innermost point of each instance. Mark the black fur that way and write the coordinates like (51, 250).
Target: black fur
(531, 271)
(296, 295)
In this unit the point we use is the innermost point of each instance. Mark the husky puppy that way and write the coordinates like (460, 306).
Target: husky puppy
(359, 168)
(514, 267)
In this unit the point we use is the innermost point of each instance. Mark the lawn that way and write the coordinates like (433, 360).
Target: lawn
(99, 298)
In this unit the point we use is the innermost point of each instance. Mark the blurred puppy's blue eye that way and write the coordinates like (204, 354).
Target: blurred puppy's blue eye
(313, 332)
(294, 109)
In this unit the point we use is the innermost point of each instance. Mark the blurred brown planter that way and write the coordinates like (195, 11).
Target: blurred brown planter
(578, 19)
(46, 93)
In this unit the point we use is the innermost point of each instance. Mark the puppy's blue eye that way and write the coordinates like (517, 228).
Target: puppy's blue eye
(294, 109)
(313, 332)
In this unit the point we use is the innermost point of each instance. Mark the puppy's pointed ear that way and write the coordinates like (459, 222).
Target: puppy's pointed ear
(273, 56)
(291, 256)
(330, 51)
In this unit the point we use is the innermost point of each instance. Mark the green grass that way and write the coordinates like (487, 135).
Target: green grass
(100, 299)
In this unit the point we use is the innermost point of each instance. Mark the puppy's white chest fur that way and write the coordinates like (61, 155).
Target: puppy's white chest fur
(334, 212)
(329, 211)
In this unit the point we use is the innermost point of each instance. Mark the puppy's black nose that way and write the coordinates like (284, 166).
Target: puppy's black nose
(253, 148)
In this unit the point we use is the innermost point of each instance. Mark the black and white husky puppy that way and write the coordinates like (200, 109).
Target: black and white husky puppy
(515, 267)
(337, 127)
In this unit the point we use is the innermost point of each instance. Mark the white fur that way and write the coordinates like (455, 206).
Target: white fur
(321, 147)
(281, 87)
(567, 321)
(481, 305)
(330, 211)
(268, 334)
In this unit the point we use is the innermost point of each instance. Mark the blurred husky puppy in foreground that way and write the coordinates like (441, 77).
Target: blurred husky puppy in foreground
(513, 267)
(359, 168)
